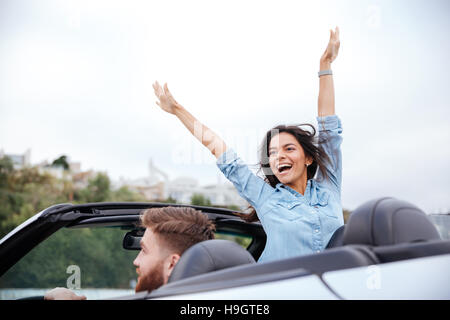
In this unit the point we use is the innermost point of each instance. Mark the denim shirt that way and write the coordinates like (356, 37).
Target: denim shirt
(295, 224)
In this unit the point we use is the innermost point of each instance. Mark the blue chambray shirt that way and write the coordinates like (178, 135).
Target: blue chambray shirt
(295, 224)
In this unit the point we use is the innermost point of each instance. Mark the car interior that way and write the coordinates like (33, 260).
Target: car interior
(380, 231)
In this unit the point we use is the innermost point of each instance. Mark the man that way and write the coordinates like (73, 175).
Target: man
(169, 232)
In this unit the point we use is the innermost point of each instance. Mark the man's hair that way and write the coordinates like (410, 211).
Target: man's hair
(178, 227)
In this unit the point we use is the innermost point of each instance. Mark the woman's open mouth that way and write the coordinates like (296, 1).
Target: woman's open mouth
(284, 169)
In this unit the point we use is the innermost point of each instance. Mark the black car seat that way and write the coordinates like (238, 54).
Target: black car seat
(336, 238)
(384, 221)
(388, 221)
(208, 256)
(392, 230)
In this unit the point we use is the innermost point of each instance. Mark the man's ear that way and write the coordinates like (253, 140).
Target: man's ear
(171, 262)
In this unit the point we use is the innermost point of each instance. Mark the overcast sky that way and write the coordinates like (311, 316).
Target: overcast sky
(75, 79)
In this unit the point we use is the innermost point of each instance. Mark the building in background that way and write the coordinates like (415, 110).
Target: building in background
(19, 160)
(157, 186)
(79, 178)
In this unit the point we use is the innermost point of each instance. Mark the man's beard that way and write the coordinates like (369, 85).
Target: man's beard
(152, 280)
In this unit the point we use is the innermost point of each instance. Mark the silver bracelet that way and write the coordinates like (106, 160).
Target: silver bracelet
(325, 72)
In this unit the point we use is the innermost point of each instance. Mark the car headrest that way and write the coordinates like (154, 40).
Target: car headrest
(388, 221)
(208, 256)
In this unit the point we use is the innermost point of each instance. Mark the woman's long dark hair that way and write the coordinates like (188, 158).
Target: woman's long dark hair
(311, 147)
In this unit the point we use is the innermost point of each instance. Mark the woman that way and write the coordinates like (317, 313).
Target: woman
(299, 201)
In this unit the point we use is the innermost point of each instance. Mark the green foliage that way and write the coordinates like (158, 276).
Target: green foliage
(169, 200)
(234, 207)
(61, 161)
(6, 168)
(239, 239)
(27, 191)
(124, 194)
(98, 190)
(97, 252)
(200, 200)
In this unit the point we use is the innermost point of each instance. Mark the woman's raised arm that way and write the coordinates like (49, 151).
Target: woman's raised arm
(326, 86)
(205, 135)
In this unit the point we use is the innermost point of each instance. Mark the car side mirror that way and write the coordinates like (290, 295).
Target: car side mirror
(132, 239)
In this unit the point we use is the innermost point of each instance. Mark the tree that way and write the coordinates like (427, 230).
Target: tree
(25, 193)
(98, 190)
(124, 194)
(6, 169)
(198, 199)
(233, 207)
(169, 200)
(6, 196)
(61, 161)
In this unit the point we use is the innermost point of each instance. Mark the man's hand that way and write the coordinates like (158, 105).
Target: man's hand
(332, 49)
(62, 294)
(166, 100)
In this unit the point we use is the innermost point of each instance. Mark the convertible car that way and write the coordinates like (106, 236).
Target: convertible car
(388, 249)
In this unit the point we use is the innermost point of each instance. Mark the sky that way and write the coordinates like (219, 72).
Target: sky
(76, 76)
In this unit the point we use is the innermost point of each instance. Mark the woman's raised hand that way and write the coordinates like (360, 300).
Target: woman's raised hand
(166, 100)
(332, 49)
(206, 136)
